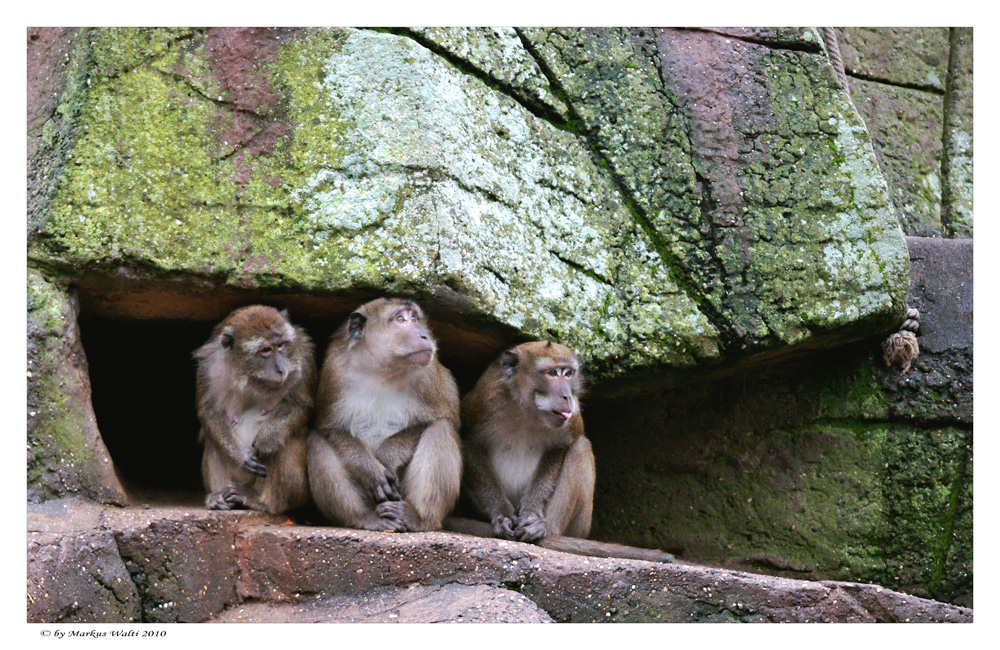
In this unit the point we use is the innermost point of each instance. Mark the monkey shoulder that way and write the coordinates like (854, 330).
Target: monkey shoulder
(441, 391)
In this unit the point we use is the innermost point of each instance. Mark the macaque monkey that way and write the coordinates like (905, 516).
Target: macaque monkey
(386, 452)
(529, 468)
(256, 377)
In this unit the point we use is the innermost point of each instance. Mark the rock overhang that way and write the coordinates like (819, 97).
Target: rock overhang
(369, 163)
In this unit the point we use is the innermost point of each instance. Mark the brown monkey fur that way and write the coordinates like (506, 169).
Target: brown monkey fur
(901, 349)
(255, 381)
(529, 468)
(386, 453)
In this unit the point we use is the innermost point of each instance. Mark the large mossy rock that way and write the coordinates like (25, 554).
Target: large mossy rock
(635, 194)
(832, 466)
(690, 209)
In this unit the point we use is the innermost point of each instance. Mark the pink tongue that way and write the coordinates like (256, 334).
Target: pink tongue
(566, 415)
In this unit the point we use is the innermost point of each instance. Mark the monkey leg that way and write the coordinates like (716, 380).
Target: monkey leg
(286, 486)
(571, 505)
(431, 480)
(337, 496)
(224, 481)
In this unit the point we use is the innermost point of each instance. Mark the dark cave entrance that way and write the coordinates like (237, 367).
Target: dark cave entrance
(139, 342)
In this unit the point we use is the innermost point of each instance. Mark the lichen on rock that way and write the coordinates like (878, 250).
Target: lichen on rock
(650, 225)
(454, 181)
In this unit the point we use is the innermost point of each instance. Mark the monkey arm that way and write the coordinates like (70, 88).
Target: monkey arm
(543, 483)
(216, 427)
(396, 451)
(287, 417)
(483, 487)
(531, 512)
(381, 484)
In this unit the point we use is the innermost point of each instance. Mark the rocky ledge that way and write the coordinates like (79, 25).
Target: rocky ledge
(182, 563)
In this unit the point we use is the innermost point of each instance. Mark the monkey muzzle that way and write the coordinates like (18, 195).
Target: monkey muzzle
(420, 357)
(560, 418)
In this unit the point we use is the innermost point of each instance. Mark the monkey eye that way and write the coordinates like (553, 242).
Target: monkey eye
(279, 347)
(552, 372)
(265, 352)
(570, 372)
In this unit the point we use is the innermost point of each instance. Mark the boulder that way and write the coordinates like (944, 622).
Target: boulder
(295, 572)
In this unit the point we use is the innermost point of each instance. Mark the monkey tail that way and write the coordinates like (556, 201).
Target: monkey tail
(594, 548)
(465, 526)
(574, 545)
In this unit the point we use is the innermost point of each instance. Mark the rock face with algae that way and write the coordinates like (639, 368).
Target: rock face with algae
(913, 87)
(673, 203)
(600, 187)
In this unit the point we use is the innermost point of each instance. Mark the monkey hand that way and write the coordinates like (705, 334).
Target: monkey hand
(253, 465)
(530, 527)
(503, 527)
(401, 513)
(385, 486)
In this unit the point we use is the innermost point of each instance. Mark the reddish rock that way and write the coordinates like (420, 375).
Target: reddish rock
(190, 564)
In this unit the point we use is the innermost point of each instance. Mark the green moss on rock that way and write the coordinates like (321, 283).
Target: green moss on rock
(379, 165)
(65, 451)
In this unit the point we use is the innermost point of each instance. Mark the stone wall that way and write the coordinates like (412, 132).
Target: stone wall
(913, 87)
(828, 467)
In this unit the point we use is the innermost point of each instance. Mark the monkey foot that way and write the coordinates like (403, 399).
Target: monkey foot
(382, 524)
(400, 512)
(530, 527)
(228, 499)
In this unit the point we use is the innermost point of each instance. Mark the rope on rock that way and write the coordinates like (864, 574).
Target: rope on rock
(833, 51)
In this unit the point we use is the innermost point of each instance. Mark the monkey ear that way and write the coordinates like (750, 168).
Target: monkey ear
(356, 325)
(227, 338)
(284, 314)
(508, 361)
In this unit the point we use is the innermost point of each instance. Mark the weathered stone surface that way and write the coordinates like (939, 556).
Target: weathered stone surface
(752, 186)
(79, 579)
(957, 157)
(831, 467)
(338, 161)
(497, 53)
(65, 451)
(569, 588)
(450, 603)
(806, 38)
(904, 56)
(905, 125)
(161, 564)
(53, 76)
(181, 561)
(75, 574)
(939, 386)
(311, 573)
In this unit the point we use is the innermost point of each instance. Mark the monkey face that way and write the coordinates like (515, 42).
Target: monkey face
(260, 340)
(546, 380)
(553, 394)
(395, 333)
(270, 360)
